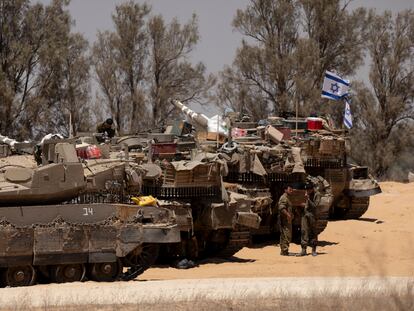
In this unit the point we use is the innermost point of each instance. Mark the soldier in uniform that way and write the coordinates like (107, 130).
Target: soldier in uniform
(285, 209)
(309, 235)
(106, 128)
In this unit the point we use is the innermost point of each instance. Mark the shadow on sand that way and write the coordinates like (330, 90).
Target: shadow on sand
(375, 220)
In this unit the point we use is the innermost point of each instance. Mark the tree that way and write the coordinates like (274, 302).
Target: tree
(144, 63)
(171, 75)
(265, 67)
(237, 93)
(386, 110)
(75, 88)
(287, 49)
(335, 41)
(35, 41)
(119, 60)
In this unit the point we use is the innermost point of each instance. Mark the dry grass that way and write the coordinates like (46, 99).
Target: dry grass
(371, 301)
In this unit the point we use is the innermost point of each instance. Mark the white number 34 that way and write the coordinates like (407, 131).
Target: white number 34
(87, 211)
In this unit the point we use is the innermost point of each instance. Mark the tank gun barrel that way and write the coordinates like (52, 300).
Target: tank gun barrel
(8, 141)
(193, 117)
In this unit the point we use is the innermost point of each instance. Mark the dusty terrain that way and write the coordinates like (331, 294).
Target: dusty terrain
(380, 244)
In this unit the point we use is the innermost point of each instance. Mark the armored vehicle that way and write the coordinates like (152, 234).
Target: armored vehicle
(258, 165)
(262, 171)
(59, 224)
(324, 153)
(212, 220)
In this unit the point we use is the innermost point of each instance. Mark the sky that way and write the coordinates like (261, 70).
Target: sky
(218, 41)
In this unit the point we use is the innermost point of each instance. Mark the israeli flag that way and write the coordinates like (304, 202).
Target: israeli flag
(334, 87)
(347, 115)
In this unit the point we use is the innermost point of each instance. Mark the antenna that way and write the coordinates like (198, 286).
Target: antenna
(70, 125)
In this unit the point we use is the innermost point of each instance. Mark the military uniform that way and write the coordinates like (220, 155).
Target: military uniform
(105, 128)
(285, 225)
(309, 235)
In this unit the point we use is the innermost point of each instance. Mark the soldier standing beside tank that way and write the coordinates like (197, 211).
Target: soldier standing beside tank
(309, 235)
(285, 209)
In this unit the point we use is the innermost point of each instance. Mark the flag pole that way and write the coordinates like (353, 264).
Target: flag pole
(297, 109)
(70, 125)
(217, 134)
(343, 118)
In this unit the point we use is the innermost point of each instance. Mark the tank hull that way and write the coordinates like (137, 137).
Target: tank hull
(80, 238)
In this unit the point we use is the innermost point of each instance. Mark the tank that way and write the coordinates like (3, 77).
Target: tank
(212, 220)
(325, 154)
(258, 165)
(66, 221)
(261, 171)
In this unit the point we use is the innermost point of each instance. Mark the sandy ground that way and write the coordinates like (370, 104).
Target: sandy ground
(379, 243)
(353, 254)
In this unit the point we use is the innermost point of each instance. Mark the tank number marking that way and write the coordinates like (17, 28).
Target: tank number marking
(87, 211)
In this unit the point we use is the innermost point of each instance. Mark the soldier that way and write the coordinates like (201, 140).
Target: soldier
(106, 128)
(309, 235)
(285, 221)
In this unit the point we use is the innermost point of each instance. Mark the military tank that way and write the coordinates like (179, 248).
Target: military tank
(212, 220)
(269, 168)
(257, 166)
(324, 153)
(56, 225)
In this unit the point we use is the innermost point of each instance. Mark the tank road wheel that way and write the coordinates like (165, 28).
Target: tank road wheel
(67, 273)
(105, 271)
(19, 276)
(140, 260)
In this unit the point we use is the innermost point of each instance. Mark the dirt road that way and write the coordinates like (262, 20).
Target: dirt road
(380, 243)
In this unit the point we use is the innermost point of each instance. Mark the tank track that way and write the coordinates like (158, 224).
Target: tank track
(138, 264)
(239, 238)
(358, 207)
(323, 215)
(322, 221)
(30, 274)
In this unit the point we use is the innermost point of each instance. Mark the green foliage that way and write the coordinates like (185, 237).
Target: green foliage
(385, 110)
(143, 64)
(288, 46)
(38, 68)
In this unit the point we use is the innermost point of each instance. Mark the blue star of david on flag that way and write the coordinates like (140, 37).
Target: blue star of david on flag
(334, 87)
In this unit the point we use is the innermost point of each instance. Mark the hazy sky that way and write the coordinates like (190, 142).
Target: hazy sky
(218, 41)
